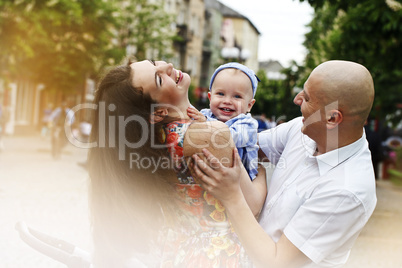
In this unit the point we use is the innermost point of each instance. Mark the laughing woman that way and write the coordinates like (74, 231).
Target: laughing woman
(146, 209)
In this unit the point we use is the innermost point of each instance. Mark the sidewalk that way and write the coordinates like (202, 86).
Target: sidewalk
(51, 196)
(380, 243)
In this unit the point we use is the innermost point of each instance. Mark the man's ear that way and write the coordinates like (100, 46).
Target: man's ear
(334, 118)
(250, 105)
(158, 115)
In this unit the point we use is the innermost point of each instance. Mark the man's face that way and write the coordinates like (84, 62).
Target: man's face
(311, 107)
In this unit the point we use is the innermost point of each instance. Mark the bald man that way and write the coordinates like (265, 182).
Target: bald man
(322, 191)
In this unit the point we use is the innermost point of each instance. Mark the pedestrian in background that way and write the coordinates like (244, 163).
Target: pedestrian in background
(1, 128)
(262, 123)
(59, 119)
(46, 120)
(4, 116)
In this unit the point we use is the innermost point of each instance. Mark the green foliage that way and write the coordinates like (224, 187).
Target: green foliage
(191, 93)
(61, 42)
(146, 27)
(275, 97)
(292, 83)
(265, 98)
(368, 32)
(396, 177)
(55, 42)
(396, 172)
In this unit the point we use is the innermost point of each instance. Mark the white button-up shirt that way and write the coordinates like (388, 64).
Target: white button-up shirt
(321, 203)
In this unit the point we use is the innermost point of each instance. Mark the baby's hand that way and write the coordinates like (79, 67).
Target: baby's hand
(196, 115)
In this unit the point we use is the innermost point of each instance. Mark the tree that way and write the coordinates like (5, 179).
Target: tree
(265, 97)
(367, 32)
(145, 28)
(56, 42)
(275, 97)
(61, 42)
(292, 81)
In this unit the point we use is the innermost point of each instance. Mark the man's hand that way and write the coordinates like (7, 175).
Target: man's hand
(222, 182)
(195, 114)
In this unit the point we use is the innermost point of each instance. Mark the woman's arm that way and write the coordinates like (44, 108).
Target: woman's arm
(215, 136)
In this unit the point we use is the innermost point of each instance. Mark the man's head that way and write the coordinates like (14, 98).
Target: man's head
(232, 91)
(336, 94)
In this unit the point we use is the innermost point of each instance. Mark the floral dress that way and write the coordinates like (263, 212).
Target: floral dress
(204, 237)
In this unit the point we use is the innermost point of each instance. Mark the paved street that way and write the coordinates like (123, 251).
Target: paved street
(380, 243)
(51, 196)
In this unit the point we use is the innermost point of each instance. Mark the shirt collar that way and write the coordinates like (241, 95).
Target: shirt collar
(333, 158)
(210, 115)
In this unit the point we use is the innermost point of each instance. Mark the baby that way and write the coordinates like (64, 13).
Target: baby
(232, 90)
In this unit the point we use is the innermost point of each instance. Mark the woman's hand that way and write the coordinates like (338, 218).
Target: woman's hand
(195, 114)
(220, 181)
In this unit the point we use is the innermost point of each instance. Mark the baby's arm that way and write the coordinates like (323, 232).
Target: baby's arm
(244, 134)
(196, 115)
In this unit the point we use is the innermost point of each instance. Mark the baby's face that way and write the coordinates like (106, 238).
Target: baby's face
(231, 94)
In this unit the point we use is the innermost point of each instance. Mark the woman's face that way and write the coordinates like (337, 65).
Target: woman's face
(161, 81)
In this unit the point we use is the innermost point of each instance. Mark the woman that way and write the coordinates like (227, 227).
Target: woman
(141, 207)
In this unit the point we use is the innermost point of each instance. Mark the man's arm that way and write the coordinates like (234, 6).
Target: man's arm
(225, 184)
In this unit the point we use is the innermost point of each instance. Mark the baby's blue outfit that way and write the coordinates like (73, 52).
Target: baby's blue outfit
(243, 129)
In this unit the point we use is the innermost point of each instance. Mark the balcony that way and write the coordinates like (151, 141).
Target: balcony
(184, 35)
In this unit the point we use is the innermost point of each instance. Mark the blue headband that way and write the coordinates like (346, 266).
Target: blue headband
(250, 73)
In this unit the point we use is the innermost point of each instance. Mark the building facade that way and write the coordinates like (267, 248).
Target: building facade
(206, 30)
(241, 38)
